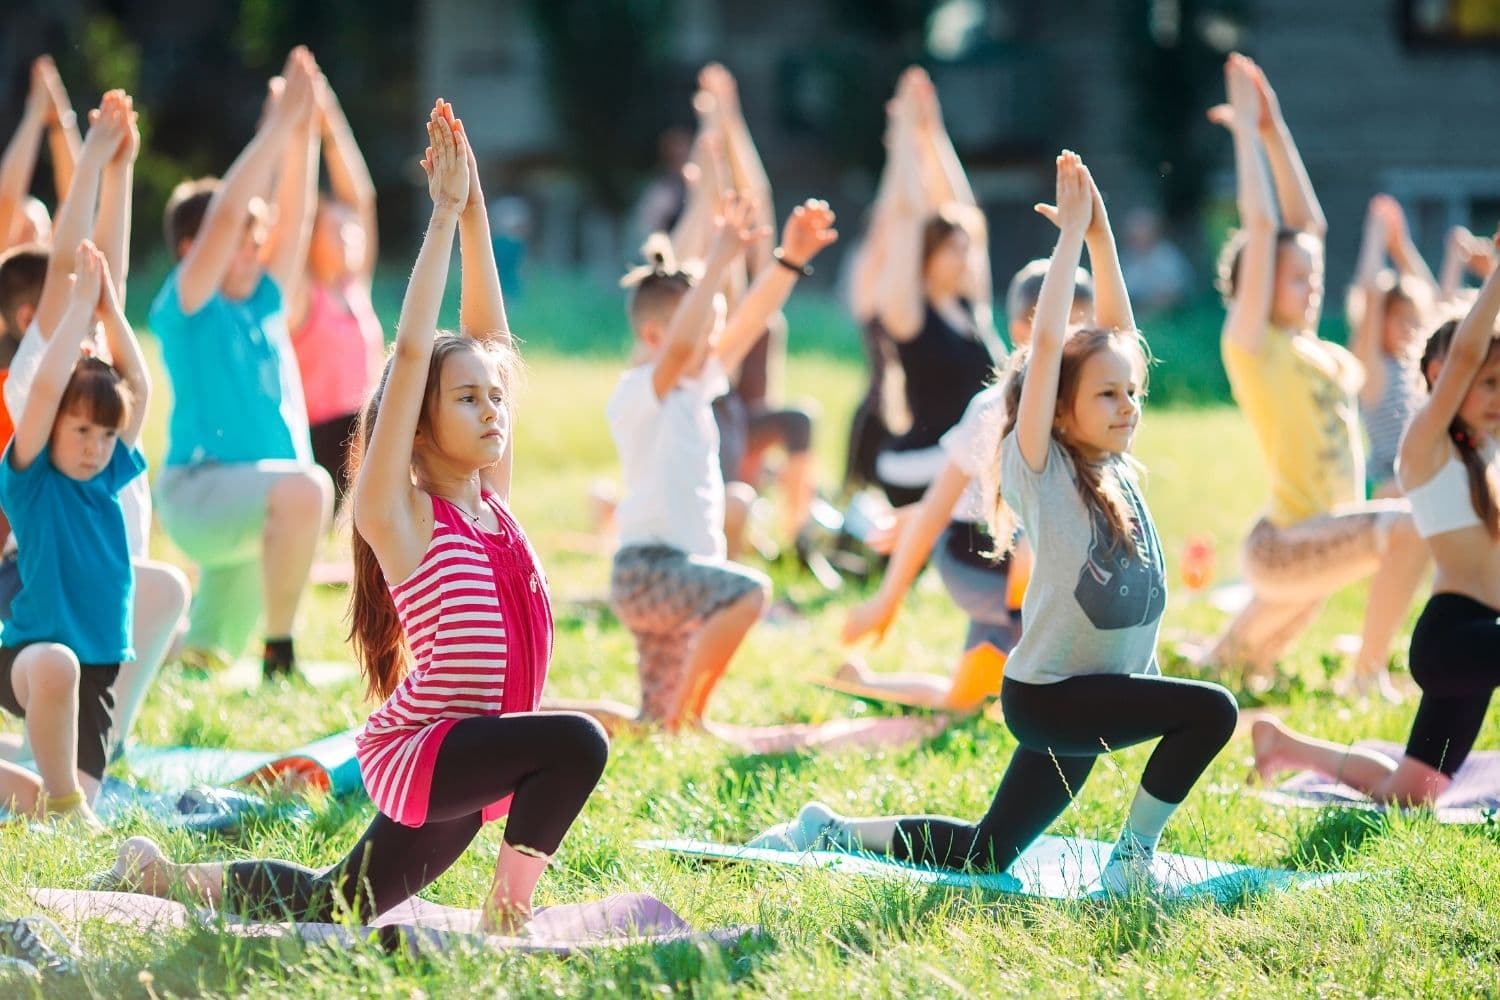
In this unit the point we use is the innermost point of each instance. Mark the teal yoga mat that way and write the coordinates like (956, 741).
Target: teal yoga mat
(1052, 868)
(328, 763)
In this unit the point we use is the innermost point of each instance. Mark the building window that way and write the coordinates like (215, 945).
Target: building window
(1450, 23)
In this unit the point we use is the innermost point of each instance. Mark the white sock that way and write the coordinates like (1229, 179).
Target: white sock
(1143, 826)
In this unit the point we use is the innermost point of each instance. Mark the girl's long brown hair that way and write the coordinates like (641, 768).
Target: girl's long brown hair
(374, 627)
(1482, 487)
(1098, 484)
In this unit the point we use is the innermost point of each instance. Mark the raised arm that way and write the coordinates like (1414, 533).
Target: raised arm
(348, 175)
(1367, 303)
(19, 161)
(747, 172)
(384, 498)
(34, 428)
(1250, 310)
(75, 216)
(1424, 448)
(125, 354)
(1112, 309)
(706, 179)
(1049, 325)
(692, 320)
(1404, 253)
(63, 139)
(808, 231)
(112, 228)
(902, 299)
(223, 227)
(296, 210)
(1294, 191)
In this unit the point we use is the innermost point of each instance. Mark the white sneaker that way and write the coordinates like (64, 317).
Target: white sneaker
(808, 832)
(1129, 873)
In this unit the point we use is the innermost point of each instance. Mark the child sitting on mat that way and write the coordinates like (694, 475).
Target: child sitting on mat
(1083, 680)
(68, 629)
(451, 617)
(1449, 468)
(948, 524)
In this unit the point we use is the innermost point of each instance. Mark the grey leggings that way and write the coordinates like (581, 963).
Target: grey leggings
(550, 762)
(1062, 729)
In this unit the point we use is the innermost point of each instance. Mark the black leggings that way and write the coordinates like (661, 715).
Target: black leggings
(549, 761)
(1062, 729)
(1455, 660)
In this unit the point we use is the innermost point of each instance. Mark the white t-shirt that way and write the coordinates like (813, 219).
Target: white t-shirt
(135, 498)
(973, 444)
(669, 452)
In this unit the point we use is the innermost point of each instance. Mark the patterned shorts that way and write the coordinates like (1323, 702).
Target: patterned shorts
(663, 595)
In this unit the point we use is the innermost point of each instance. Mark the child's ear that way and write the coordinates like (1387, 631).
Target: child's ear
(183, 246)
(25, 313)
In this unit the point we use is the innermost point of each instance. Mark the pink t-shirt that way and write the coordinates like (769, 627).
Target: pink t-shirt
(478, 618)
(339, 347)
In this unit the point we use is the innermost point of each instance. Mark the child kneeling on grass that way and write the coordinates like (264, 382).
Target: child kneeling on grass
(451, 618)
(60, 481)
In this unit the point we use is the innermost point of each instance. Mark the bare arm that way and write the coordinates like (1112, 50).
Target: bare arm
(919, 532)
(808, 231)
(125, 354)
(748, 173)
(1294, 191)
(1049, 325)
(112, 228)
(1367, 306)
(691, 321)
(76, 215)
(1250, 311)
(902, 302)
(63, 140)
(34, 428)
(348, 174)
(1424, 448)
(296, 210)
(384, 497)
(19, 161)
(223, 227)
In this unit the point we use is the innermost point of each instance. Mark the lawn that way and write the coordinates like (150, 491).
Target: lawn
(1424, 922)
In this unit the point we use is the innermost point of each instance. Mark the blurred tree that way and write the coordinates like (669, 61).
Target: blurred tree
(596, 52)
(1173, 53)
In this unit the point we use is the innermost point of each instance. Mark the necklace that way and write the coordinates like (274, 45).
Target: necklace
(461, 509)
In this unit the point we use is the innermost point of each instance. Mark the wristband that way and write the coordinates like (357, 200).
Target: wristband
(804, 270)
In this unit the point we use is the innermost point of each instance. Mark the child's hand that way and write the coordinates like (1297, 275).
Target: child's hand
(108, 304)
(734, 226)
(1392, 220)
(297, 96)
(1269, 111)
(109, 126)
(808, 231)
(476, 193)
(928, 111)
(39, 102)
(1240, 85)
(719, 84)
(873, 616)
(446, 162)
(119, 109)
(1074, 210)
(88, 272)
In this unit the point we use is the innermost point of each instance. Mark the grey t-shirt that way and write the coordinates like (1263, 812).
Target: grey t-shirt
(1090, 608)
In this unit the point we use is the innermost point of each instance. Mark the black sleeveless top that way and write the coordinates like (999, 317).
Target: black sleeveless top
(945, 368)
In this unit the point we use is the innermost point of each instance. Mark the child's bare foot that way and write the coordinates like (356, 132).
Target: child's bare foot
(138, 868)
(506, 921)
(1266, 739)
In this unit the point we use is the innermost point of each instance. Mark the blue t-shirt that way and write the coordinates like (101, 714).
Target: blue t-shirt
(76, 579)
(237, 394)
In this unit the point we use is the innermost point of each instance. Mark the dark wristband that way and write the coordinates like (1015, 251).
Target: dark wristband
(805, 270)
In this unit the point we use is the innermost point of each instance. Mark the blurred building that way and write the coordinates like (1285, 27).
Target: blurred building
(1393, 95)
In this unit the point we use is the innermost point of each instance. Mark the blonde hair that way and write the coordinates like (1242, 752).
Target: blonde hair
(655, 288)
(1101, 485)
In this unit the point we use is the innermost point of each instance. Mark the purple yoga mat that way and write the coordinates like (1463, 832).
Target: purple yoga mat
(1475, 789)
(628, 919)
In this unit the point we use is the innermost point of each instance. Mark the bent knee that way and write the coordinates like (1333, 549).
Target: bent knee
(587, 740)
(308, 491)
(50, 670)
(1219, 712)
(161, 588)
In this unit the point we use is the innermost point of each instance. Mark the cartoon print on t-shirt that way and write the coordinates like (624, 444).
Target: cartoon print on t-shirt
(1118, 587)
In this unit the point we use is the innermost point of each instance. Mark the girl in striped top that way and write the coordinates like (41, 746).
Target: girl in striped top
(450, 617)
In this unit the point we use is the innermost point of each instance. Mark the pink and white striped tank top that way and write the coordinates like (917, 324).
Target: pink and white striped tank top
(479, 622)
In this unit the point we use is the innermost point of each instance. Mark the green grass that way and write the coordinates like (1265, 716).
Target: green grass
(1426, 921)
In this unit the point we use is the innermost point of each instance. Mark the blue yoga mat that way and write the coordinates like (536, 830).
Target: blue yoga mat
(221, 811)
(1052, 868)
(328, 762)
